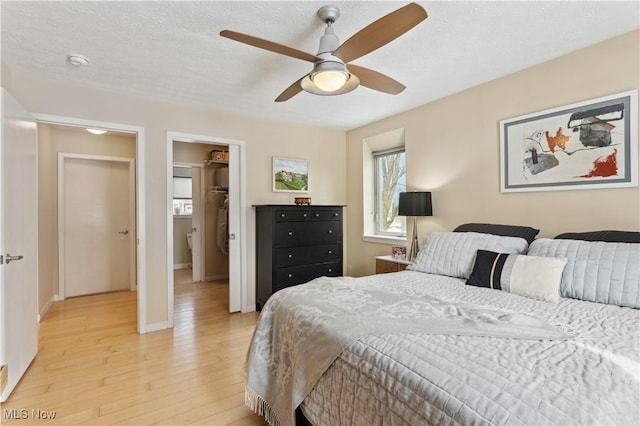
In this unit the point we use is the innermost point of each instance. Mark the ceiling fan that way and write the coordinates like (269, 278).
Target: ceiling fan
(332, 73)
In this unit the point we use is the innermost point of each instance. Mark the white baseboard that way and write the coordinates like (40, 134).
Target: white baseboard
(181, 266)
(45, 309)
(57, 298)
(157, 326)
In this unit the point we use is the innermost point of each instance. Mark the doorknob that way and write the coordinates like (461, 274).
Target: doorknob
(125, 232)
(8, 258)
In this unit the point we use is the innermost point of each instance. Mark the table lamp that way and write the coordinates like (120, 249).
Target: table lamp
(414, 204)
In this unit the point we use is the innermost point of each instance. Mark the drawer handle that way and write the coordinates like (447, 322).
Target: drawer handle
(317, 214)
(283, 215)
(290, 275)
(304, 215)
(330, 231)
(290, 232)
(330, 270)
(330, 251)
(335, 215)
(290, 255)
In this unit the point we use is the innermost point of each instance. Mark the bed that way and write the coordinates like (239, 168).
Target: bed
(484, 329)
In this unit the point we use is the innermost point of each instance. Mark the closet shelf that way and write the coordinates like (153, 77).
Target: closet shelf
(217, 189)
(212, 162)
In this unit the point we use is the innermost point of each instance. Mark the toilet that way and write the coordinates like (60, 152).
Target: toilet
(190, 241)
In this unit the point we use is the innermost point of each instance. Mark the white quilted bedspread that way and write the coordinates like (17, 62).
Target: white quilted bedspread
(416, 379)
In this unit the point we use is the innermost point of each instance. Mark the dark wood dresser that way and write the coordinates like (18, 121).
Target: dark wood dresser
(295, 244)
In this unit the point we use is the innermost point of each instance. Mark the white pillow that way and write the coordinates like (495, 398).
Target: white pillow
(453, 253)
(531, 276)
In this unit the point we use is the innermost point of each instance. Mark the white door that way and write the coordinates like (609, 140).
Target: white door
(196, 226)
(235, 302)
(96, 220)
(18, 238)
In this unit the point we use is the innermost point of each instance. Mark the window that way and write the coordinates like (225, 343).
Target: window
(182, 198)
(390, 169)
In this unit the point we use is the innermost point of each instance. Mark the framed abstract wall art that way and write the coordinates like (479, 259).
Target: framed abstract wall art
(592, 144)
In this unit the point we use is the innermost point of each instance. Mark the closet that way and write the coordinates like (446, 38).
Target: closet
(200, 240)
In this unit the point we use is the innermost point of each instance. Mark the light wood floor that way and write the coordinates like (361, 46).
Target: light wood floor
(93, 368)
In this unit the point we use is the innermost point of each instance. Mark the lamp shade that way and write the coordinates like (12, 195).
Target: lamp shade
(415, 204)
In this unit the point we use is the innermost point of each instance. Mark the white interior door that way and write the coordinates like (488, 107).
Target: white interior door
(235, 301)
(97, 224)
(197, 234)
(18, 238)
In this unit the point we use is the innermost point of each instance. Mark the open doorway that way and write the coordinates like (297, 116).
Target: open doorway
(200, 212)
(117, 146)
(218, 238)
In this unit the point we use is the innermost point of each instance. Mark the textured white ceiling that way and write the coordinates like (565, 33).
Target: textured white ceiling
(172, 50)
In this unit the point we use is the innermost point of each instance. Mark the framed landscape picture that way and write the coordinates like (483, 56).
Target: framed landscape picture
(290, 175)
(591, 144)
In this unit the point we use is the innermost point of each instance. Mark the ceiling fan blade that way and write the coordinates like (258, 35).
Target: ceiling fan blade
(291, 91)
(269, 45)
(381, 32)
(376, 81)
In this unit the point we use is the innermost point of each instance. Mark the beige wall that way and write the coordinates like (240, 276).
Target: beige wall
(51, 141)
(452, 148)
(263, 139)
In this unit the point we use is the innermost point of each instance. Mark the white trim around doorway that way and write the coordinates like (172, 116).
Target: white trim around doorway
(141, 259)
(192, 138)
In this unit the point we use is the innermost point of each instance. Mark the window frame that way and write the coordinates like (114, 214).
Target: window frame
(377, 214)
(180, 198)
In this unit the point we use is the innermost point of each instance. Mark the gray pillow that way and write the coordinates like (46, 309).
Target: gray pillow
(596, 271)
(453, 253)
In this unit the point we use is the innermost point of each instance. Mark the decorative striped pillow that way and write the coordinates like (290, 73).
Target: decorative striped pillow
(531, 276)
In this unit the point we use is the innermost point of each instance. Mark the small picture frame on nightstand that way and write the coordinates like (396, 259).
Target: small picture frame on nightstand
(399, 252)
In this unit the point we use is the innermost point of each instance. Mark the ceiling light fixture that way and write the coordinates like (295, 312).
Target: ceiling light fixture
(330, 75)
(77, 60)
(96, 131)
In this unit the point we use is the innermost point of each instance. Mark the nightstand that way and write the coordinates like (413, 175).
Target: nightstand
(385, 264)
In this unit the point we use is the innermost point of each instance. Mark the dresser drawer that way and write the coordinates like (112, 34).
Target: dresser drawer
(291, 234)
(293, 215)
(292, 256)
(286, 277)
(333, 214)
(296, 215)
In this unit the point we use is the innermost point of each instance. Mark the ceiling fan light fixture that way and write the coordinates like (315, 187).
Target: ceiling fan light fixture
(329, 81)
(329, 77)
(308, 85)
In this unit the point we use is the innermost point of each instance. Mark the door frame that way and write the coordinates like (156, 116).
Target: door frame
(62, 156)
(141, 239)
(242, 240)
(202, 190)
